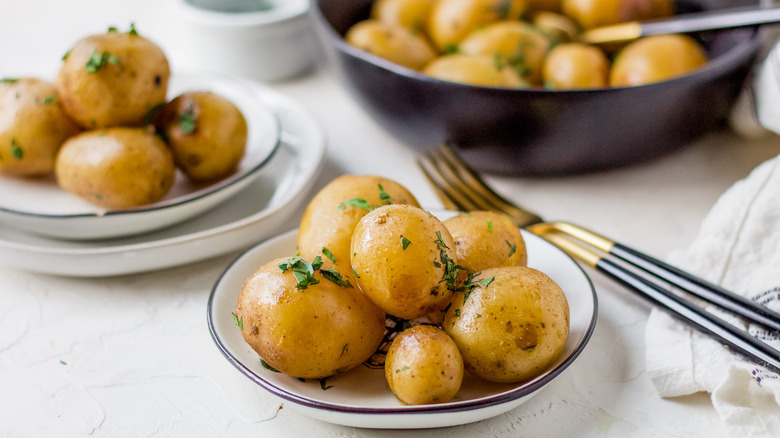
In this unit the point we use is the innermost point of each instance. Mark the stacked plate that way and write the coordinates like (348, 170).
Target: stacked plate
(46, 229)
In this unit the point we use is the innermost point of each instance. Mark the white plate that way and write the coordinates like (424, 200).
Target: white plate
(42, 207)
(361, 397)
(259, 211)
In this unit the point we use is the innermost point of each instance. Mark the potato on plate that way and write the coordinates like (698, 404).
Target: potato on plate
(485, 239)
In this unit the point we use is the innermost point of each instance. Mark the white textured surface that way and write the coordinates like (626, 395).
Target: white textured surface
(131, 356)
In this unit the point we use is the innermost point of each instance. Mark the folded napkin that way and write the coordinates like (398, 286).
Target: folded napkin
(738, 247)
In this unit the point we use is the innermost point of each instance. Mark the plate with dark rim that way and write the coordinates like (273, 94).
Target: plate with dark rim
(40, 206)
(361, 396)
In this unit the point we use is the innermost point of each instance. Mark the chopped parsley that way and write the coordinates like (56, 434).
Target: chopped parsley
(457, 312)
(188, 120)
(357, 203)
(16, 150)
(405, 242)
(302, 270)
(490, 225)
(512, 248)
(132, 30)
(355, 272)
(268, 367)
(323, 384)
(48, 100)
(9, 80)
(439, 241)
(238, 322)
(63, 362)
(326, 252)
(383, 196)
(451, 49)
(469, 285)
(335, 277)
(403, 368)
(99, 60)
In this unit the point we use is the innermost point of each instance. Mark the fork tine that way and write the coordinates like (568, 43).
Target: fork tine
(452, 176)
(451, 199)
(474, 182)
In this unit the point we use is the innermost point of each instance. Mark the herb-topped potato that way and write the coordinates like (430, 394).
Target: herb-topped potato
(404, 260)
(334, 212)
(33, 126)
(307, 319)
(485, 239)
(113, 79)
(116, 168)
(207, 134)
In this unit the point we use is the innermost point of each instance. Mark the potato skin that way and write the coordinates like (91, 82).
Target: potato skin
(116, 168)
(424, 366)
(485, 239)
(391, 41)
(656, 58)
(450, 21)
(403, 279)
(480, 70)
(33, 126)
(214, 144)
(512, 329)
(118, 93)
(323, 330)
(325, 225)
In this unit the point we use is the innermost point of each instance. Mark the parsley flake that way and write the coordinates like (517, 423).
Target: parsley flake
(439, 241)
(16, 150)
(132, 30)
(384, 196)
(63, 362)
(188, 120)
(357, 203)
(238, 322)
(326, 252)
(268, 367)
(99, 60)
(8, 80)
(403, 368)
(457, 312)
(490, 225)
(405, 242)
(323, 384)
(335, 277)
(355, 272)
(48, 100)
(512, 248)
(302, 270)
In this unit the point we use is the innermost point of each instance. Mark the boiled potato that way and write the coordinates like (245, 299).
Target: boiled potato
(512, 324)
(452, 20)
(311, 331)
(574, 66)
(334, 212)
(424, 366)
(404, 260)
(485, 239)
(116, 168)
(594, 13)
(481, 70)
(412, 14)
(113, 79)
(33, 126)
(392, 42)
(560, 27)
(515, 44)
(656, 58)
(207, 134)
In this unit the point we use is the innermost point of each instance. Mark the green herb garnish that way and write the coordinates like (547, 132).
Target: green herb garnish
(323, 384)
(403, 368)
(490, 225)
(357, 203)
(238, 322)
(16, 150)
(99, 60)
(268, 367)
(334, 276)
(302, 270)
(188, 120)
(405, 242)
(384, 196)
(439, 241)
(48, 100)
(355, 272)
(328, 254)
(63, 362)
(512, 248)
(9, 80)
(132, 30)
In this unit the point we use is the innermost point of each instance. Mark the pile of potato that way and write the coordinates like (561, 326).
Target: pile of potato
(106, 130)
(366, 250)
(524, 43)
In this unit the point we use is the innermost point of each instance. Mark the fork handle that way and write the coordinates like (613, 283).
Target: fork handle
(736, 339)
(703, 289)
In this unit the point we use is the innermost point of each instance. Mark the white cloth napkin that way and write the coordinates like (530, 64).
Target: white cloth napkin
(738, 247)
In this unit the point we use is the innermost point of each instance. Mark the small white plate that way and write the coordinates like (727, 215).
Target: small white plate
(42, 207)
(361, 397)
(261, 210)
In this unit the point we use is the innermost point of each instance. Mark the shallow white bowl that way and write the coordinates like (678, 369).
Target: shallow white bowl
(42, 207)
(264, 45)
(361, 397)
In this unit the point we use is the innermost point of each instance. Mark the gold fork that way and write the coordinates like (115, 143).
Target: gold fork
(461, 189)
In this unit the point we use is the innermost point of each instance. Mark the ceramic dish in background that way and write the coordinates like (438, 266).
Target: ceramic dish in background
(262, 210)
(537, 131)
(361, 397)
(42, 207)
(264, 40)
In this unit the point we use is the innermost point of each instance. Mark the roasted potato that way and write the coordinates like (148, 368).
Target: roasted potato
(450, 21)
(113, 79)
(479, 70)
(423, 366)
(333, 213)
(510, 325)
(207, 134)
(307, 329)
(485, 239)
(33, 126)
(574, 66)
(412, 14)
(404, 260)
(393, 42)
(656, 58)
(116, 168)
(514, 44)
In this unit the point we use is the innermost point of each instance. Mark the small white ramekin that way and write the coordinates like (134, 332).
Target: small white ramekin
(264, 45)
